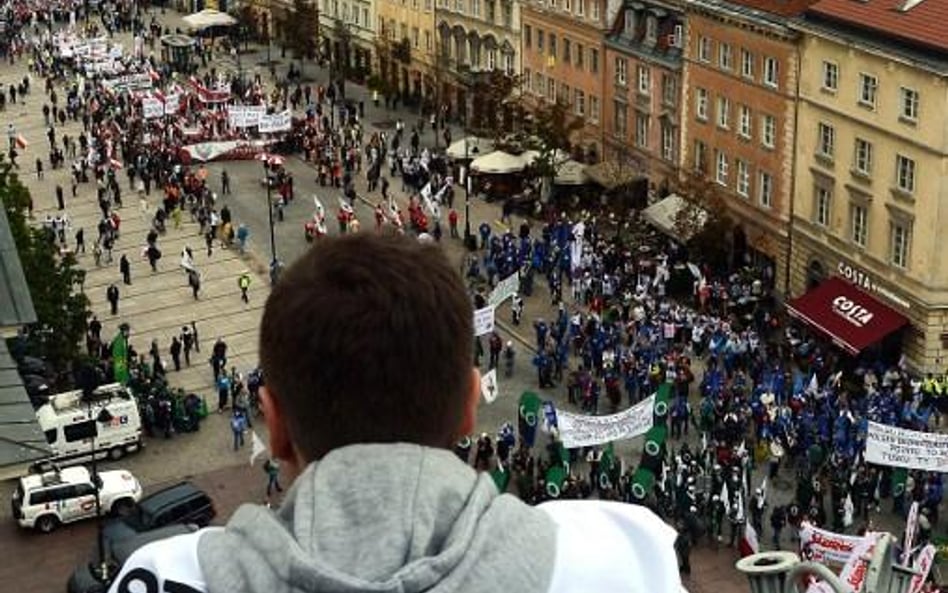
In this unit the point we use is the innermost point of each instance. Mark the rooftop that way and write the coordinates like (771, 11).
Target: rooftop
(16, 306)
(786, 8)
(21, 440)
(920, 22)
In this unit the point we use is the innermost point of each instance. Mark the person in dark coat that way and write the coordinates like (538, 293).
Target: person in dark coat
(176, 352)
(126, 269)
(112, 294)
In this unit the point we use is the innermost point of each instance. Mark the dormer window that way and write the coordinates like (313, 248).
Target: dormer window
(651, 30)
(629, 29)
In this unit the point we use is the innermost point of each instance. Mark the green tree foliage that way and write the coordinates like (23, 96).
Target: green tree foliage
(301, 30)
(493, 104)
(704, 220)
(55, 282)
(551, 136)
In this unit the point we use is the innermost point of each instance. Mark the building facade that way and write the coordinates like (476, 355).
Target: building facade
(872, 157)
(473, 37)
(406, 47)
(562, 60)
(347, 35)
(738, 113)
(643, 86)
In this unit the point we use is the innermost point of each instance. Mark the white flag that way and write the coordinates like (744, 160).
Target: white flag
(814, 385)
(257, 448)
(725, 495)
(489, 386)
(848, 510)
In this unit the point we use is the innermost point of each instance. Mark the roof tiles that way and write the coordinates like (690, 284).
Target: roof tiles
(923, 22)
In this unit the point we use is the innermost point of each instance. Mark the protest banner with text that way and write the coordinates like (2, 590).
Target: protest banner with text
(578, 430)
(900, 447)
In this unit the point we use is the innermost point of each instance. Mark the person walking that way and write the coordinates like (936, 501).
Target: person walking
(176, 352)
(225, 183)
(112, 295)
(223, 391)
(272, 467)
(80, 241)
(194, 281)
(237, 425)
(244, 283)
(126, 269)
(60, 199)
(187, 342)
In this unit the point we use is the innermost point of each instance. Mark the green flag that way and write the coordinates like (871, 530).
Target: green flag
(607, 466)
(529, 416)
(555, 479)
(643, 481)
(501, 478)
(899, 475)
(655, 440)
(120, 358)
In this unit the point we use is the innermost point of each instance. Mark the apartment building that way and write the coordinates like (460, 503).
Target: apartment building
(407, 41)
(871, 198)
(563, 62)
(347, 34)
(643, 82)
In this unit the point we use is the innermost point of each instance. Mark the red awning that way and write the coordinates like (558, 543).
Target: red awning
(849, 316)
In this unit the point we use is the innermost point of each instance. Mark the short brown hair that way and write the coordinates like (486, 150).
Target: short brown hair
(369, 339)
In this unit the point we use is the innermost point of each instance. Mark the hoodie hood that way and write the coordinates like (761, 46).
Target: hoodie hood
(396, 518)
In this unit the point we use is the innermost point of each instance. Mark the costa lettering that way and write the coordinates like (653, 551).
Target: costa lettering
(851, 311)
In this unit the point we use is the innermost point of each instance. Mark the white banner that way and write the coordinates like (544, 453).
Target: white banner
(245, 116)
(489, 387)
(129, 82)
(578, 430)
(505, 289)
(820, 545)
(278, 122)
(172, 103)
(923, 564)
(484, 321)
(911, 528)
(857, 567)
(899, 447)
(152, 108)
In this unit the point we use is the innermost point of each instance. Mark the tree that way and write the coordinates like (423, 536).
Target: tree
(301, 30)
(703, 223)
(551, 138)
(492, 94)
(54, 281)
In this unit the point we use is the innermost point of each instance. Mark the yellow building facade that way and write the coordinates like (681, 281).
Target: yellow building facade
(407, 25)
(871, 198)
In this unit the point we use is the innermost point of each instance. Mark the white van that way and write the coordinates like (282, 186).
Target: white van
(107, 423)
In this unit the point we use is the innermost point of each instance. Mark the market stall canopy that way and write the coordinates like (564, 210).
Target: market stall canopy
(851, 318)
(177, 40)
(498, 163)
(571, 172)
(663, 214)
(469, 147)
(611, 175)
(208, 18)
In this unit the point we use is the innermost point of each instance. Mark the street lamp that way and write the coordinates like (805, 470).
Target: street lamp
(468, 237)
(101, 570)
(274, 262)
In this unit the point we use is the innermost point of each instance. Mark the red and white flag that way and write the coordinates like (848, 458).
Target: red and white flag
(750, 543)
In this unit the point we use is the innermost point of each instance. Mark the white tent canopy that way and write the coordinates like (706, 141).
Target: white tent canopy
(570, 172)
(498, 163)
(470, 147)
(664, 213)
(209, 18)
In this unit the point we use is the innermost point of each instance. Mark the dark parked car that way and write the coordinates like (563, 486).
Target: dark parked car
(118, 551)
(181, 503)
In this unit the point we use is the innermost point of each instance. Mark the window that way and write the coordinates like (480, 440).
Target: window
(830, 76)
(701, 104)
(645, 80)
(744, 122)
(415, 37)
(427, 6)
(641, 130)
(476, 7)
(428, 40)
(899, 238)
(579, 103)
(628, 25)
(704, 49)
(724, 112)
(720, 174)
(540, 38)
(701, 157)
(490, 13)
(668, 142)
(725, 56)
(579, 58)
(621, 71)
(80, 431)
(550, 90)
(594, 10)
(743, 178)
(859, 216)
(539, 84)
(905, 173)
(594, 109)
(620, 122)
(594, 61)
(492, 59)
(747, 64)
(771, 67)
(862, 157)
(552, 46)
(567, 51)
(868, 85)
(909, 104)
(528, 79)
(564, 95)
(580, 7)
(669, 90)
(825, 140)
(527, 36)
(509, 63)
(765, 189)
(821, 210)
(508, 23)
(568, 5)
(651, 30)
(768, 131)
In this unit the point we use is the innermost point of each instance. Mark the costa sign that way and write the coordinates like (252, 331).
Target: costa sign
(852, 311)
(864, 281)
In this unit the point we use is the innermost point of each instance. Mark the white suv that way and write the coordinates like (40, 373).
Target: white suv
(44, 501)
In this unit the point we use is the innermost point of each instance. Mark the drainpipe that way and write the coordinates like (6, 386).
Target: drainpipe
(793, 169)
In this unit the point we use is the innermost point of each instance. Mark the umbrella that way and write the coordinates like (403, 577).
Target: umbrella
(208, 18)
(271, 159)
(469, 147)
(499, 163)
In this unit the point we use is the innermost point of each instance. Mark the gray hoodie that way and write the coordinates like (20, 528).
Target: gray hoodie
(396, 518)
